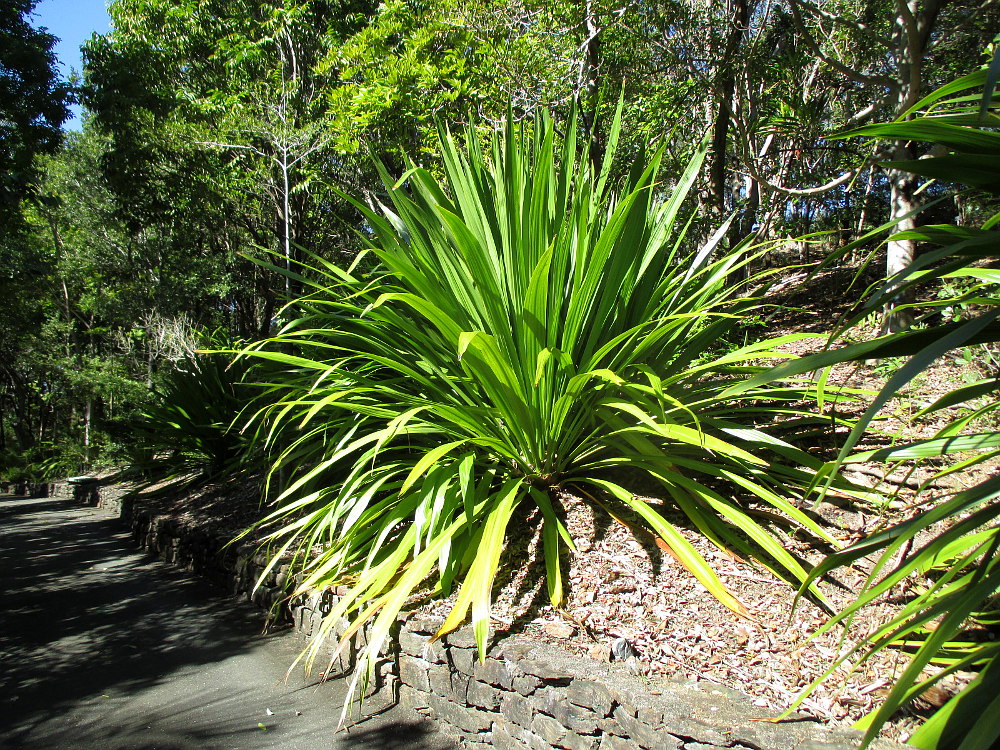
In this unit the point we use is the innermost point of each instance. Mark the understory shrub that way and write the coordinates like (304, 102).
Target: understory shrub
(528, 329)
(190, 427)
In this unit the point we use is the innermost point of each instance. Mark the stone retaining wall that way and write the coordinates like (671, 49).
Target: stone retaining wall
(26, 489)
(525, 695)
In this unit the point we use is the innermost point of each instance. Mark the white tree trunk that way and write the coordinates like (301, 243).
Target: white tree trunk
(913, 24)
(86, 433)
(285, 220)
(899, 253)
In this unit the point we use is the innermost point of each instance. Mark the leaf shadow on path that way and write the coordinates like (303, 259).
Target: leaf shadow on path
(104, 647)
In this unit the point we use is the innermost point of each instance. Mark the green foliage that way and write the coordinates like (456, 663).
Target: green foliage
(229, 123)
(90, 316)
(889, 366)
(33, 105)
(530, 330)
(189, 425)
(954, 545)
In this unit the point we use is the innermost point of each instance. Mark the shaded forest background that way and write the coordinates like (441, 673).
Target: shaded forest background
(219, 132)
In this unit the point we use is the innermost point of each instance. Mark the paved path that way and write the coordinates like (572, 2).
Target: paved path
(102, 647)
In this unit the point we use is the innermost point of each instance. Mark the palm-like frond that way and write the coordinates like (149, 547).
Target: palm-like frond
(188, 425)
(961, 554)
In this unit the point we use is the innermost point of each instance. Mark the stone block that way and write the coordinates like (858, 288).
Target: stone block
(482, 695)
(650, 715)
(414, 672)
(463, 659)
(552, 701)
(517, 709)
(315, 622)
(501, 737)
(420, 623)
(699, 731)
(644, 735)
(390, 687)
(383, 679)
(543, 670)
(590, 695)
(533, 742)
(439, 678)
(516, 649)
(610, 742)
(411, 643)
(510, 737)
(299, 618)
(460, 685)
(573, 741)
(629, 692)
(413, 699)
(433, 652)
(420, 645)
(831, 745)
(467, 719)
(261, 597)
(526, 684)
(494, 672)
(548, 729)
(462, 638)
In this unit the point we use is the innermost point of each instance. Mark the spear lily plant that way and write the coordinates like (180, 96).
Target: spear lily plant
(528, 327)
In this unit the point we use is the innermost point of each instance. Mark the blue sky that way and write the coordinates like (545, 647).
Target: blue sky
(73, 22)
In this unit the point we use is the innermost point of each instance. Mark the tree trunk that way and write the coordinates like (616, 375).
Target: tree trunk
(914, 23)
(900, 253)
(738, 18)
(745, 227)
(86, 433)
(149, 359)
(720, 137)
(286, 237)
(588, 87)
(863, 217)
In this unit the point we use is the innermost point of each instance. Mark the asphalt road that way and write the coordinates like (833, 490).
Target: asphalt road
(103, 647)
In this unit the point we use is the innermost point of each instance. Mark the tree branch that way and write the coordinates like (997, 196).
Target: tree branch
(799, 191)
(748, 149)
(947, 33)
(236, 146)
(837, 65)
(852, 24)
(862, 115)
